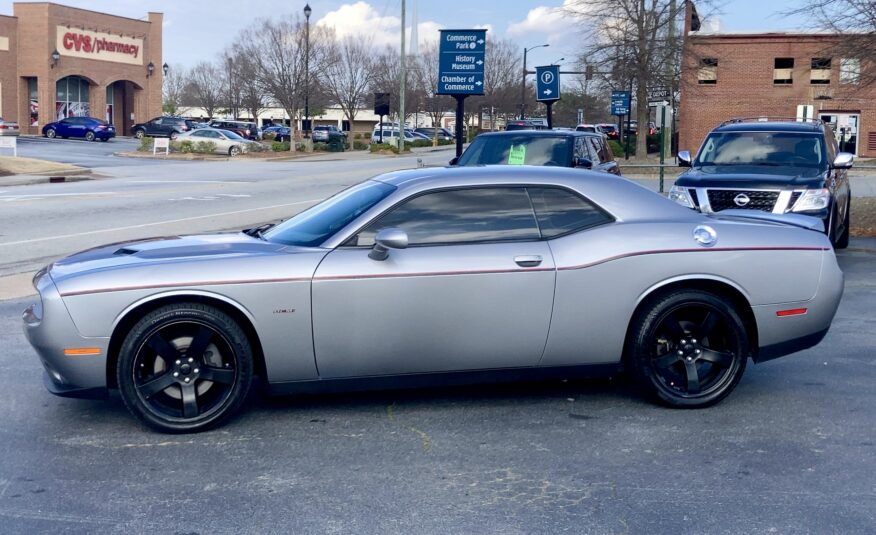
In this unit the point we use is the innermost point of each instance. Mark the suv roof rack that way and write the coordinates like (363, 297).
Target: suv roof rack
(768, 119)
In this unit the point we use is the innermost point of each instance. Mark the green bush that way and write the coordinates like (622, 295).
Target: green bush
(204, 147)
(617, 148)
(357, 135)
(146, 144)
(185, 146)
(269, 136)
(323, 147)
(299, 147)
(446, 142)
(255, 146)
(420, 143)
(377, 147)
(280, 146)
(358, 145)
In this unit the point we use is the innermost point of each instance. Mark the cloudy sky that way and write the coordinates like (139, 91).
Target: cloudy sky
(199, 29)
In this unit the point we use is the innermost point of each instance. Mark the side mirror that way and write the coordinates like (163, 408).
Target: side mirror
(843, 160)
(586, 163)
(386, 239)
(454, 161)
(684, 159)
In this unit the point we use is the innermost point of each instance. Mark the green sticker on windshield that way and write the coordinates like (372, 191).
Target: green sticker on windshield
(517, 155)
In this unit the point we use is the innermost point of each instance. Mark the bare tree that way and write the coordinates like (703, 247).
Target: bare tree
(204, 78)
(854, 24)
(250, 94)
(348, 75)
(425, 80)
(174, 89)
(628, 39)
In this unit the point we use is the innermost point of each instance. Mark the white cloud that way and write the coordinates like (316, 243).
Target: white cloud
(559, 29)
(361, 18)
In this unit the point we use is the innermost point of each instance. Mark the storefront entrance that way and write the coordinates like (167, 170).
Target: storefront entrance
(120, 97)
(845, 127)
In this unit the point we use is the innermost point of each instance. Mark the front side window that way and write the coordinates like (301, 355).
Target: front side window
(461, 216)
(560, 211)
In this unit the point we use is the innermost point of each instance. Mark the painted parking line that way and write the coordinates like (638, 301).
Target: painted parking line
(188, 182)
(156, 223)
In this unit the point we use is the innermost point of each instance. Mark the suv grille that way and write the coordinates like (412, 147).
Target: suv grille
(723, 199)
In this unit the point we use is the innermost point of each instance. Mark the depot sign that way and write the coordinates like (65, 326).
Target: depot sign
(100, 46)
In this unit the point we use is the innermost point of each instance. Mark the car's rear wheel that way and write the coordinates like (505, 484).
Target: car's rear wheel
(185, 368)
(688, 349)
(139, 133)
(173, 135)
(50, 133)
(234, 150)
(89, 136)
(843, 240)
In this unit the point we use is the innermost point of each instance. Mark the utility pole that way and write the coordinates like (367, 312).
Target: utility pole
(401, 91)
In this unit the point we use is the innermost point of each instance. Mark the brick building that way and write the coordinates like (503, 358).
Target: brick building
(57, 61)
(727, 75)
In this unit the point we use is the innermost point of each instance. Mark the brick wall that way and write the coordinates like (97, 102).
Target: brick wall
(8, 81)
(745, 85)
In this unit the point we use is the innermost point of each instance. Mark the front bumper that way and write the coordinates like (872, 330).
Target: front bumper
(50, 330)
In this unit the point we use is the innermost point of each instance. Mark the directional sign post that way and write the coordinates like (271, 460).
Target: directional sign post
(547, 88)
(620, 106)
(461, 57)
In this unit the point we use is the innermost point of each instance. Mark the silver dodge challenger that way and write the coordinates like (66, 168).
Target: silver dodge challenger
(437, 276)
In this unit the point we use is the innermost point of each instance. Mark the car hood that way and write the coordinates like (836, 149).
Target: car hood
(165, 250)
(743, 177)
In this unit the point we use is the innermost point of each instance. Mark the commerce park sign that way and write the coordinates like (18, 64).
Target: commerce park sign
(99, 46)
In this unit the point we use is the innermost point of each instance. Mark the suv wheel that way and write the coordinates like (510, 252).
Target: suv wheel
(174, 134)
(843, 240)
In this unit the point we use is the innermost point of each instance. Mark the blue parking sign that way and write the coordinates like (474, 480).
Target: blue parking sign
(547, 83)
(620, 102)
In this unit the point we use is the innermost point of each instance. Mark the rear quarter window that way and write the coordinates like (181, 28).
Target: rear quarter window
(559, 212)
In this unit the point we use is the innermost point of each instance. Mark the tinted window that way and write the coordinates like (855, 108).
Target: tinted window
(461, 216)
(560, 211)
(315, 225)
(596, 150)
(518, 149)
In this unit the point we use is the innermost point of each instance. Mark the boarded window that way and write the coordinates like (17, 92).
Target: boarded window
(850, 71)
(820, 74)
(783, 70)
(708, 71)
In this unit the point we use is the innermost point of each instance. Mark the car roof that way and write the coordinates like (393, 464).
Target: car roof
(771, 126)
(539, 133)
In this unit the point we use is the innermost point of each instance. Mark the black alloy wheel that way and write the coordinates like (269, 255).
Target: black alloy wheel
(843, 240)
(185, 368)
(50, 133)
(89, 136)
(689, 349)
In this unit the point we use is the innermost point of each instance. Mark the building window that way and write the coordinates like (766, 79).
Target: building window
(34, 96)
(820, 74)
(110, 95)
(850, 71)
(71, 97)
(708, 72)
(783, 71)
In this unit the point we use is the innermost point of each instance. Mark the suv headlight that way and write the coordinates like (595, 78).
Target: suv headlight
(812, 200)
(681, 196)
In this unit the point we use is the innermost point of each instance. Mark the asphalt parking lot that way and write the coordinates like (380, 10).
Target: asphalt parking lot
(791, 451)
(90, 154)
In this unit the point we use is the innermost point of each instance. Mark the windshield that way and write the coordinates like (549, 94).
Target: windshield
(315, 225)
(792, 149)
(521, 149)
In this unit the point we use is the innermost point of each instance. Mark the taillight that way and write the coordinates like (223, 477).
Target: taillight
(101, 127)
(4, 127)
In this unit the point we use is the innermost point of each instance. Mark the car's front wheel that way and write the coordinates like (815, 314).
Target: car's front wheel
(185, 368)
(234, 150)
(50, 133)
(843, 240)
(688, 348)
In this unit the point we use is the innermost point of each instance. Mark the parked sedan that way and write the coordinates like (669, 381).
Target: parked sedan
(436, 276)
(9, 128)
(85, 127)
(226, 141)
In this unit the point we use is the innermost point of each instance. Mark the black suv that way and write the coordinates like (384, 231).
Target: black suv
(560, 148)
(780, 166)
(163, 127)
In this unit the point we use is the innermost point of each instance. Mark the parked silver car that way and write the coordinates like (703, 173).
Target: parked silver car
(9, 128)
(226, 141)
(440, 276)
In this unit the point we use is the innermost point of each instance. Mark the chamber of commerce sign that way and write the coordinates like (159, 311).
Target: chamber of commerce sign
(99, 45)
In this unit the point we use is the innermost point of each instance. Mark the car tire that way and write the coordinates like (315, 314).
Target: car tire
(185, 368)
(174, 135)
(843, 240)
(89, 136)
(50, 133)
(687, 348)
(139, 134)
(234, 151)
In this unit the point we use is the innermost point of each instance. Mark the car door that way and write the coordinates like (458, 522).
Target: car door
(603, 161)
(838, 179)
(474, 289)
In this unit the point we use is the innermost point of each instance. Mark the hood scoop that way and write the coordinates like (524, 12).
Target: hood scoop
(126, 251)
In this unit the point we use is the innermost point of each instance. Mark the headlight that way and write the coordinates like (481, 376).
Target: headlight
(681, 196)
(812, 200)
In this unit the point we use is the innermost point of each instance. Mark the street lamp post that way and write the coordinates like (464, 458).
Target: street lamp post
(523, 82)
(307, 12)
(231, 109)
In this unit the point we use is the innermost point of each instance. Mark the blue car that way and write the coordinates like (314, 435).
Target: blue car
(87, 127)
